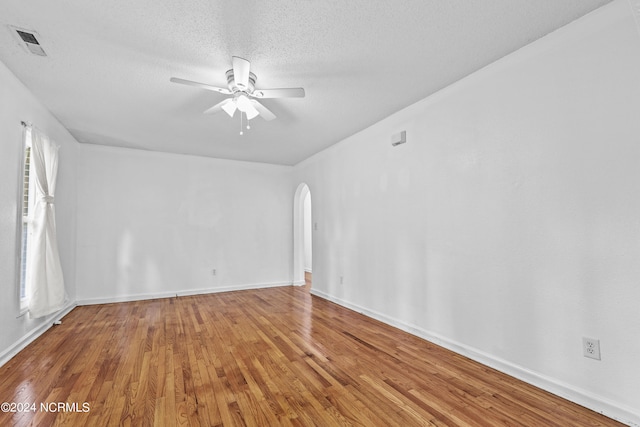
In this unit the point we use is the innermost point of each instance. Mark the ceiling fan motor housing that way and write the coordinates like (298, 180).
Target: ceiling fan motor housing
(231, 83)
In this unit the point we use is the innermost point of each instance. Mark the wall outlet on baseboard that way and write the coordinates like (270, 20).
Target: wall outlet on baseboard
(591, 348)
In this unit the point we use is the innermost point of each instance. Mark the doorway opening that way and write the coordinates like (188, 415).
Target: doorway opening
(302, 237)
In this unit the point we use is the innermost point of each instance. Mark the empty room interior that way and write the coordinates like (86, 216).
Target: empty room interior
(320, 213)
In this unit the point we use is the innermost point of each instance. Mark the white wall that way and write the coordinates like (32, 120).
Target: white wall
(157, 224)
(508, 226)
(308, 254)
(18, 104)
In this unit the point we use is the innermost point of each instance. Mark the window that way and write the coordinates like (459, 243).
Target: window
(39, 258)
(26, 208)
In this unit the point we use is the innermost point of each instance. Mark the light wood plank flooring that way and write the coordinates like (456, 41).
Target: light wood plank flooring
(265, 357)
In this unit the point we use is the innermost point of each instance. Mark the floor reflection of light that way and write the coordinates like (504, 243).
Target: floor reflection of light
(306, 322)
(24, 392)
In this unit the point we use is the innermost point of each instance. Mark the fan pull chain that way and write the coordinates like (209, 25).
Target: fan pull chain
(248, 127)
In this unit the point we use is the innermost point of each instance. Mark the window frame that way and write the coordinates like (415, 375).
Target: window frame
(26, 175)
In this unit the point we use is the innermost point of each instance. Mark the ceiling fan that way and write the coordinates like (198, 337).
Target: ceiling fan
(244, 95)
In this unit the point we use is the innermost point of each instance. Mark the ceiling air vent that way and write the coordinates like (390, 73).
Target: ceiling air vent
(29, 40)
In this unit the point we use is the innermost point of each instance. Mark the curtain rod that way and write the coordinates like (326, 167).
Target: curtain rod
(25, 124)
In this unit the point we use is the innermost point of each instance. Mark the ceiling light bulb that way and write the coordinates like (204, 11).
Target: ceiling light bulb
(243, 102)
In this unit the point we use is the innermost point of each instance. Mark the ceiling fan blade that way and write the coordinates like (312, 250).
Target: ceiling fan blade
(292, 92)
(264, 111)
(241, 72)
(220, 106)
(200, 85)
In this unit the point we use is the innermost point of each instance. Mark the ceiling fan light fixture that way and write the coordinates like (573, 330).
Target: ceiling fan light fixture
(251, 113)
(230, 107)
(244, 104)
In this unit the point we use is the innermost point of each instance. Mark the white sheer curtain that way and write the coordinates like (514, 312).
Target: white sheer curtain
(44, 281)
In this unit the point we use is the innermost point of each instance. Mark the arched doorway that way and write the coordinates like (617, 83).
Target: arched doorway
(302, 235)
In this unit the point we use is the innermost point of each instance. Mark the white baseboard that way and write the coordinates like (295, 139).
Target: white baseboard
(299, 283)
(170, 294)
(584, 398)
(31, 336)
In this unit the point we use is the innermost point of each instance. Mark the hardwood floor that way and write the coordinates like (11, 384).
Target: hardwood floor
(265, 357)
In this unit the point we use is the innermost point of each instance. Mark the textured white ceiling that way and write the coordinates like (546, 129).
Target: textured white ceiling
(106, 76)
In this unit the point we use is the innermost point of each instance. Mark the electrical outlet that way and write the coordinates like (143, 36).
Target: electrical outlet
(591, 348)
(213, 271)
(341, 280)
